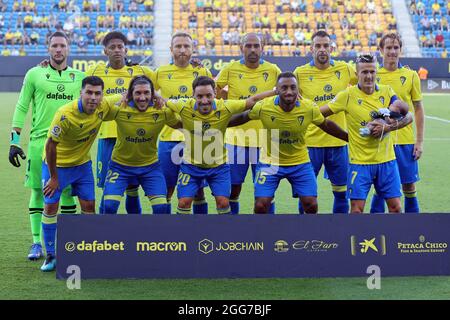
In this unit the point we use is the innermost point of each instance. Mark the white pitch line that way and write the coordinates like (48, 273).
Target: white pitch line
(438, 119)
(437, 139)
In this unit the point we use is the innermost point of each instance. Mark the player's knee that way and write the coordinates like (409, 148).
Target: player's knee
(111, 206)
(222, 202)
(409, 187)
(87, 206)
(185, 203)
(395, 206)
(310, 206)
(262, 206)
(51, 209)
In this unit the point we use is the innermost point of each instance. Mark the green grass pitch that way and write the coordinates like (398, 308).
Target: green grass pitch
(21, 279)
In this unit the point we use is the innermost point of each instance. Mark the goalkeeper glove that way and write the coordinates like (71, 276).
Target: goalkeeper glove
(15, 150)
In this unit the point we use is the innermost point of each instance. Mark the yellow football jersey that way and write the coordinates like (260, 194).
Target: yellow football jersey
(359, 109)
(321, 86)
(75, 131)
(285, 131)
(116, 82)
(137, 134)
(243, 83)
(204, 134)
(406, 85)
(176, 83)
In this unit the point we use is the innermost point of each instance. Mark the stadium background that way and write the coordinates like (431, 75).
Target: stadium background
(357, 26)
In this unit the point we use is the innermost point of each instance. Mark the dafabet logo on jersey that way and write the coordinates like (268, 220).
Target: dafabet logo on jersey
(369, 245)
(207, 246)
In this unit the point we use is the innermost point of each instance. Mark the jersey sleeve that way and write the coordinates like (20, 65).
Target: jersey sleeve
(339, 103)
(317, 117)
(235, 106)
(416, 92)
(149, 73)
(59, 126)
(352, 74)
(112, 106)
(23, 104)
(176, 105)
(208, 73)
(171, 118)
(255, 112)
(222, 78)
(155, 80)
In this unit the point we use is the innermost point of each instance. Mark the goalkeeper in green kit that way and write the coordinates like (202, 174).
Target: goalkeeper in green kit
(46, 89)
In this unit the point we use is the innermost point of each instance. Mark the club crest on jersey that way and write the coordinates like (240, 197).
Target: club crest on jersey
(106, 71)
(155, 117)
(253, 89)
(56, 131)
(47, 76)
(81, 125)
(169, 76)
(193, 115)
(128, 115)
(265, 76)
(374, 114)
(403, 80)
(378, 79)
(140, 132)
(206, 125)
(310, 78)
(272, 118)
(328, 88)
(100, 115)
(217, 114)
(120, 81)
(240, 76)
(195, 74)
(182, 89)
(130, 71)
(300, 119)
(72, 76)
(338, 74)
(382, 100)
(359, 101)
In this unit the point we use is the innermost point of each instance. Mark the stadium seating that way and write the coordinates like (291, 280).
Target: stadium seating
(141, 24)
(349, 41)
(430, 50)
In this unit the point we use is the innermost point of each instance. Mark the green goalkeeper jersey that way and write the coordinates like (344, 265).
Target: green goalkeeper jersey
(46, 90)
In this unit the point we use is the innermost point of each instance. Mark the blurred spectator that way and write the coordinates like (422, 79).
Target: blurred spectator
(278, 6)
(423, 39)
(18, 37)
(192, 20)
(6, 52)
(413, 8)
(318, 7)
(345, 25)
(371, 6)
(226, 37)
(95, 5)
(276, 38)
(109, 5)
(133, 6)
(297, 52)
(19, 21)
(444, 24)
(90, 35)
(269, 51)
(16, 6)
(348, 7)
(82, 45)
(119, 5)
(31, 7)
(200, 4)
(209, 20)
(235, 37)
(287, 41)
(15, 52)
(232, 5)
(281, 22)
(184, 5)
(436, 8)
(9, 38)
(431, 40)
(240, 5)
(217, 20)
(423, 73)
(87, 6)
(202, 50)
(448, 8)
(265, 21)
(217, 5)
(241, 20)
(352, 22)
(440, 40)
(22, 51)
(209, 38)
(386, 5)
(308, 37)
(131, 37)
(434, 22)
(392, 23)
(233, 20)
(28, 21)
(296, 20)
(425, 22)
(2, 21)
(373, 39)
(25, 38)
(444, 53)
(257, 20)
(421, 8)
(208, 5)
(3, 6)
(148, 5)
(140, 41)
(267, 38)
(321, 22)
(68, 26)
(358, 7)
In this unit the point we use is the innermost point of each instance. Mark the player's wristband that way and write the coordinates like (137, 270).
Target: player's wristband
(15, 138)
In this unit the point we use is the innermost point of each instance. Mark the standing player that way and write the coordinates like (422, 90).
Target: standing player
(406, 84)
(116, 74)
(46, 89)
(174, 82)
(67, 160)
(135, 156)
(320, 81)
(286, 119)
(372, 158)
(245, 78)
(205, 120)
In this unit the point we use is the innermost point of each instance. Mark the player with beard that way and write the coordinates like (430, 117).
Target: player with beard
(244, 78)
(46, 89)
(286, 118)
(320, 81)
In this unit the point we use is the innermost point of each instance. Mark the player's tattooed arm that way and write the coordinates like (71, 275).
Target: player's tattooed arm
(250, 102)
(326, 111)
(238, 119)
(333, 129)
(50, 155)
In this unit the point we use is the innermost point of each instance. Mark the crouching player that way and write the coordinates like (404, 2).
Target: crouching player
(285, 155)
(205, 120)
(67, 160)
(134, 157)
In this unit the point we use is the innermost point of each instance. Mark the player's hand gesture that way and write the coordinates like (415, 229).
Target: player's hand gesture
(418, 150)
(378, 129)
(14, 152)
(159, 101)
(50, 187)
(196, 62)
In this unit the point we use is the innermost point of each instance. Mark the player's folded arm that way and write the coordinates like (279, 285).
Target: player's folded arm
(251, 101)
(239, 119)
(333, 129)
